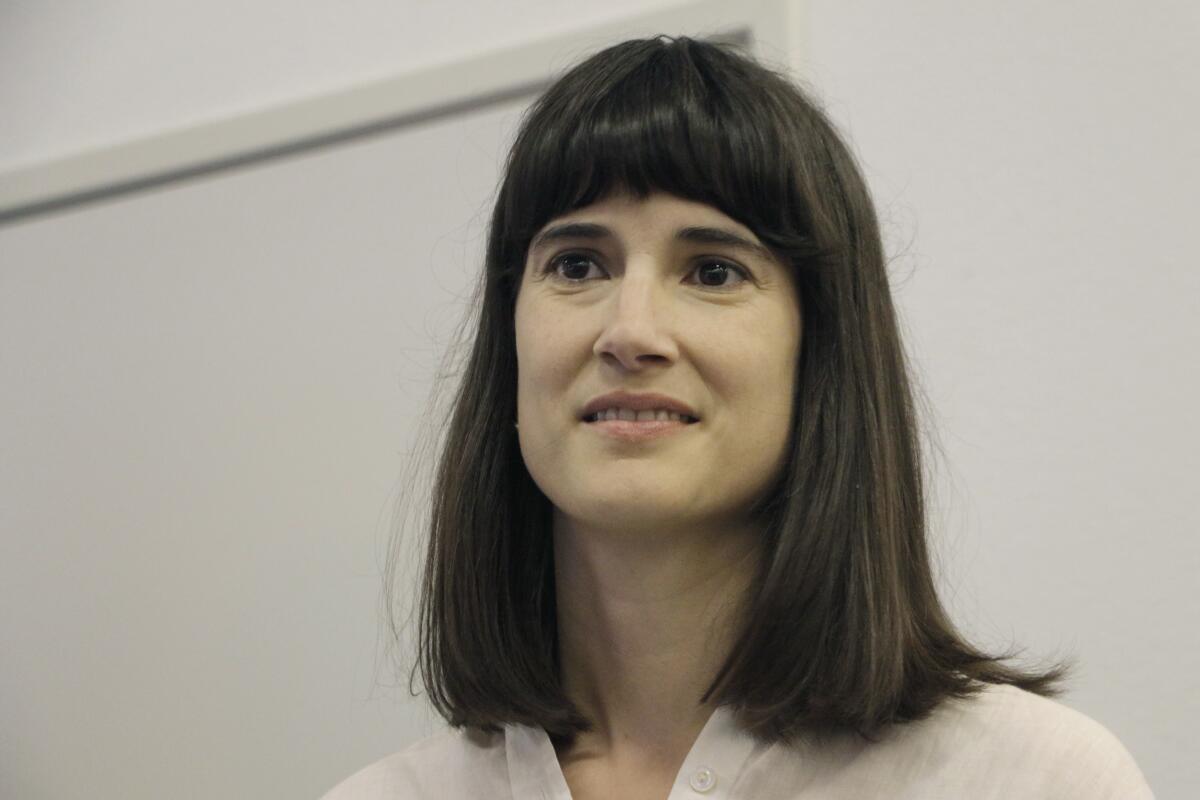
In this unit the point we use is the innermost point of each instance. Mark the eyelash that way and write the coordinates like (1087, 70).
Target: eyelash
(552, 267)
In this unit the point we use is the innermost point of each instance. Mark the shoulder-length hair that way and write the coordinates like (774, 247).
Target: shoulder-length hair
(844, 629)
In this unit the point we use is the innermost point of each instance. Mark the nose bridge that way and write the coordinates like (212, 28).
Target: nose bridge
(639, 293)
(638, 315)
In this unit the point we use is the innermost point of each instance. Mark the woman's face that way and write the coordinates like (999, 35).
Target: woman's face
(630, 304)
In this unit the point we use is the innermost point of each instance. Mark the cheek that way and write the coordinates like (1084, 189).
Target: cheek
(545, 361)
(529, 329)
(766, 346)
(758, 374)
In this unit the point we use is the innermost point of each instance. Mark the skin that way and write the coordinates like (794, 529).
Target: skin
(654, 548)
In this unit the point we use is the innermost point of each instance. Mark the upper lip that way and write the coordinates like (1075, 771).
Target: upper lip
(638, 402)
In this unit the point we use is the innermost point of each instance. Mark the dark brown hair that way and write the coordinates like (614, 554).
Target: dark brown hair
(844, 629)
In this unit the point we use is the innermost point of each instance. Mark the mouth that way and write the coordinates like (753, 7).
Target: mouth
(633, 431)
(657, 420)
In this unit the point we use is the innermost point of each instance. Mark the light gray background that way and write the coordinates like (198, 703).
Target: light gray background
(208, 391)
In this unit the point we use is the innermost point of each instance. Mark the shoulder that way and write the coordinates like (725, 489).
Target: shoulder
(1009, 742)
(446, 765)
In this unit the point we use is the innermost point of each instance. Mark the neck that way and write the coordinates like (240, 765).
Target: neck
(644, 625)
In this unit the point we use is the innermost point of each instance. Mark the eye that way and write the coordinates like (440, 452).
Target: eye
(723, 269)
(571, 263)
(574, 268)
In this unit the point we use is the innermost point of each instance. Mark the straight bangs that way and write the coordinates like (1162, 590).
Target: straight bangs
(661, 119)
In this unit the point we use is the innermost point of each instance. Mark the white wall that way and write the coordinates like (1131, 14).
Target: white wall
(1035, 167)
(82, 75)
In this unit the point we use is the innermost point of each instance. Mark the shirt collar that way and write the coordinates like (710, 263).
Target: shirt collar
(711, 767)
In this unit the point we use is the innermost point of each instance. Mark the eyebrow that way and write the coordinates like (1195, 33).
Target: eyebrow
(694, 234)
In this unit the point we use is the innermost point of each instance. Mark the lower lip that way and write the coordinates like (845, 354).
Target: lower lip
(630, 431)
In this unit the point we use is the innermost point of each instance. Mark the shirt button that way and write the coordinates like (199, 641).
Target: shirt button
(703, 779)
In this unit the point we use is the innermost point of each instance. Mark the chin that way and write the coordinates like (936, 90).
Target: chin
(630, 512)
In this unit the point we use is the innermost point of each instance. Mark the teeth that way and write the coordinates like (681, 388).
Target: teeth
(629, 415)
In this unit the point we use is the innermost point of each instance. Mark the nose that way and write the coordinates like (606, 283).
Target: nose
(636, 325)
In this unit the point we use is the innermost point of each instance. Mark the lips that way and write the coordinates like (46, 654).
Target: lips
(637, 401)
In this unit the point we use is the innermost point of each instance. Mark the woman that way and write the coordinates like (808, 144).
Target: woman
(696, 564)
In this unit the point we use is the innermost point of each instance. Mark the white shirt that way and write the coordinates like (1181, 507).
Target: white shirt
(1004, 743)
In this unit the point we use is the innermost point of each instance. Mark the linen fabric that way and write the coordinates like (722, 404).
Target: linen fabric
(1002, 743)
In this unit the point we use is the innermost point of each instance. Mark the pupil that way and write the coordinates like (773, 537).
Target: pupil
(571, 263)
(720, 267)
